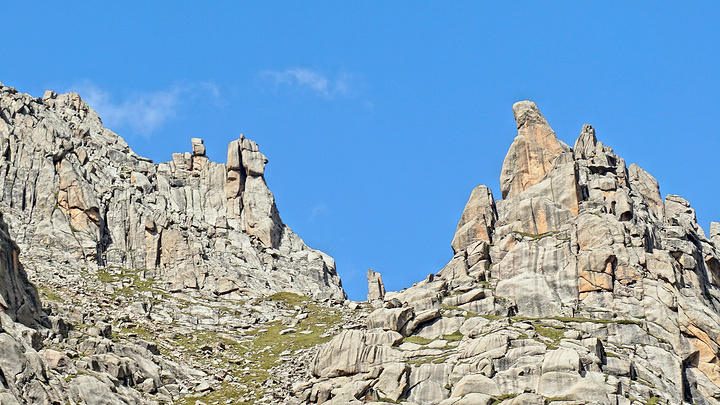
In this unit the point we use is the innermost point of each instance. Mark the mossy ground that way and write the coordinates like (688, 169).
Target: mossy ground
(454, 337)
(132, 280)
(417, 340)
(551, 333)
(250, 357)
(47, 294)
(502, 398)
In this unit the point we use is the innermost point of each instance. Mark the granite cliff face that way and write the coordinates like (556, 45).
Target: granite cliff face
(582, 285)
(73, 192)
(123, 281)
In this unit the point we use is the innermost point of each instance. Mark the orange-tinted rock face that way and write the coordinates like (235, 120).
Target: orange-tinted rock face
(532, 154)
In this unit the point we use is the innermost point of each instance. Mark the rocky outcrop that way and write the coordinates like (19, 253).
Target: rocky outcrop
(477, 220)
(75, 194)
(158, 281)
(376, 287)
(532, 153)
(582, 284)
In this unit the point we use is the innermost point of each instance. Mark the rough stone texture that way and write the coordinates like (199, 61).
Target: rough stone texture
(73, 192)
(532, 153)
(376, 288)
(150, 275)
(477, 220)
(581, 286)
(18, 298)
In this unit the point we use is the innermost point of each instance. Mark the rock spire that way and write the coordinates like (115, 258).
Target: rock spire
(582, 283)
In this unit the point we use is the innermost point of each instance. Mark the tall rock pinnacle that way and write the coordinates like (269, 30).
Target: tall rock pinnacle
(533, 152)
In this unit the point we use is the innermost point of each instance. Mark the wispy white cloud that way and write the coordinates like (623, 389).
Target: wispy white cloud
(143, 112)
(306, 79)
(317, 210)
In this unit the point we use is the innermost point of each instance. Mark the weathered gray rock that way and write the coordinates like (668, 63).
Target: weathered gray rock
(561, 360)
(376, 288)
(477, 383)
(198, 146)
(348, 353)
(581, 284)
(18, 297)
(427, 383)
(648, 188)
(77, 190)
(390, 318)
(615, 293)
(392, 381)
(92, 390)
(477, 220)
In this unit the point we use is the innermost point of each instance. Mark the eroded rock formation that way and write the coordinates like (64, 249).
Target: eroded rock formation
(154, 278)
(582, 284)
(73, 192)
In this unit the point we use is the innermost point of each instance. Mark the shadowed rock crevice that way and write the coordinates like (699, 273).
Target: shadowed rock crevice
(18, 297)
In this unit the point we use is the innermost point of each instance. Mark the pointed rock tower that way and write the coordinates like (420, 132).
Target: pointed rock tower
(582, 283)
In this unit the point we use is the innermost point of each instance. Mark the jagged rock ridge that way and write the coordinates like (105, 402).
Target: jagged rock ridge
(582, 285)
(154, 277)
(75, 194)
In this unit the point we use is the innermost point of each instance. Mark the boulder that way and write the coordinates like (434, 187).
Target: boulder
(390, 318)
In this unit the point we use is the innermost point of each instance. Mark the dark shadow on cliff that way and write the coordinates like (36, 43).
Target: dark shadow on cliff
(18, 296)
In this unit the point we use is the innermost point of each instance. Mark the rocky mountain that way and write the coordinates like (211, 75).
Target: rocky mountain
(125, 281)
(74, 192)
(581, 286)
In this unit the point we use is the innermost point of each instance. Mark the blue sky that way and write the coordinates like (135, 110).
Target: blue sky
(379, 118)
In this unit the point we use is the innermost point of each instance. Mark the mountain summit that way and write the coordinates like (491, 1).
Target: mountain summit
(73, 192)
(582, 285)
(123, 281)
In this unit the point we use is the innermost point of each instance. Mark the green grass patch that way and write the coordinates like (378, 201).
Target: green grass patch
(261, 353)
(493, 317)
(132, 280)
(419, 340)
(138, 331)
(105, 276)
(49, 295)
(389, 401)
(580, 320)
(552, 333)
(289, 298)
(503, 398)
(453, 337)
